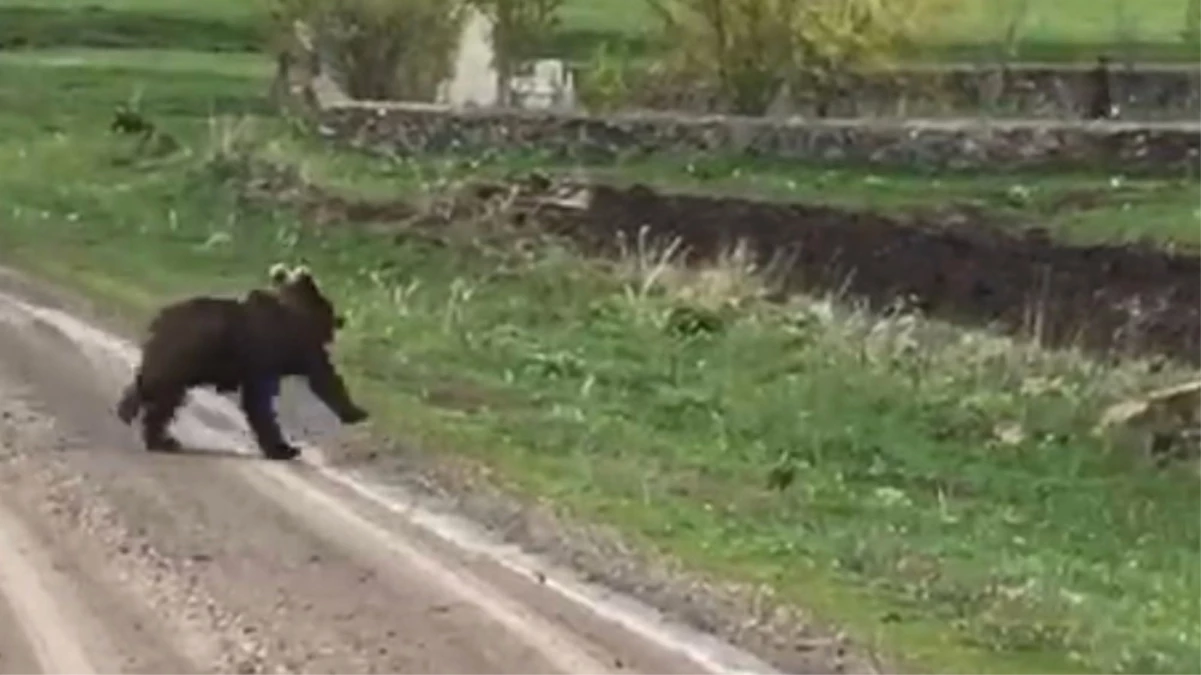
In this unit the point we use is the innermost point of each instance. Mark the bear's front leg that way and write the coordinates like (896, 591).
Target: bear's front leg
(327, 385)
(258, 404)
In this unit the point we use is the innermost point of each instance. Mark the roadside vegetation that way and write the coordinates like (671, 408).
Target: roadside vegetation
(937, 492)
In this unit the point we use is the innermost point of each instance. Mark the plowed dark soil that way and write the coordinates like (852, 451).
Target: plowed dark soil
(1104, 298)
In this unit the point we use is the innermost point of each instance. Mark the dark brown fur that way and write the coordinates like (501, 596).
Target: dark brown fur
(239, 345)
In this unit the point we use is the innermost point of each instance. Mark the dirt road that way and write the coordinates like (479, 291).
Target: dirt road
(116, 560)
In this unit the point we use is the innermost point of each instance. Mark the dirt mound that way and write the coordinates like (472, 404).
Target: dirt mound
(1105, 298)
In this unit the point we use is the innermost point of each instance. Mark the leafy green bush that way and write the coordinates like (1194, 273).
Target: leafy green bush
(752, 51)
(605, 80)
(380, 49)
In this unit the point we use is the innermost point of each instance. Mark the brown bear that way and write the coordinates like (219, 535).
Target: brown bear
(243, 345)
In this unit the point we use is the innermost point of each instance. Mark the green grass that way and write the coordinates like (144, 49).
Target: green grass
(220, 25)
(1066, 30)
(1075, 30)
(1063, 31)
(915, 519)
(136, 60)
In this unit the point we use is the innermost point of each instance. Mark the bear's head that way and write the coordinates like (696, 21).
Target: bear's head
(297, 290)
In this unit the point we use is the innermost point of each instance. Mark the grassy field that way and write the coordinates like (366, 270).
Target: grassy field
(947, 504)
(1067, 30)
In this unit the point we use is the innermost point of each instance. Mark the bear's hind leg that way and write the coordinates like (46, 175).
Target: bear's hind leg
(159, 411)
(258, 405)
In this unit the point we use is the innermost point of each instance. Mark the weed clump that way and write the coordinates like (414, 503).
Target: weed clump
(374, 49)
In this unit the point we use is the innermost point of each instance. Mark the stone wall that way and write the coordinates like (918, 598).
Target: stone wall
(1142, 92)
(1152, 148)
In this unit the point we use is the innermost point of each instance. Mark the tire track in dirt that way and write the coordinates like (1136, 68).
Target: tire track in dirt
(35, 630)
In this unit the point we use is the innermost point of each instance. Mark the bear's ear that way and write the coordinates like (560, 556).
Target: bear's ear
(301, 273)
(279, 273)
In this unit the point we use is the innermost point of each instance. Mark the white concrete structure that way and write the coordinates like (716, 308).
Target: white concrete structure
(548, 84)
(474, 82)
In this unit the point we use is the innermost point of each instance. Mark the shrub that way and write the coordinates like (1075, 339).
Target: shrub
(378, 49)
(605, 80)
(752, 51)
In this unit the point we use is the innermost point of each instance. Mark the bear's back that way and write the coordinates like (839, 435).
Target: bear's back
(192, 342)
